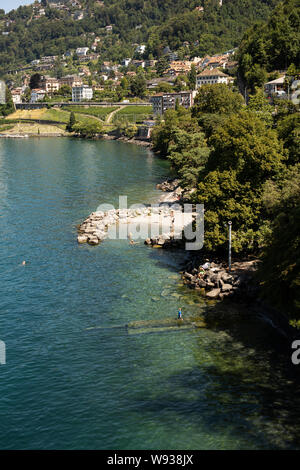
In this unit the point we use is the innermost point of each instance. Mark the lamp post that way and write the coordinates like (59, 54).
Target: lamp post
(229, 245)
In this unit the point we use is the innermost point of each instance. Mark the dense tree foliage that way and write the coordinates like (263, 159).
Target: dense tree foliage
(243, 165)
(280, 270)
(271, 46)
(8, 107)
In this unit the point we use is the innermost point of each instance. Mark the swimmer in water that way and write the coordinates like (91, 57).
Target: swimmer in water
(23, 263)
(131, 240)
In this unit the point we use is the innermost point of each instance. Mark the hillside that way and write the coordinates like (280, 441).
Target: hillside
(274, 45)
(28, 34)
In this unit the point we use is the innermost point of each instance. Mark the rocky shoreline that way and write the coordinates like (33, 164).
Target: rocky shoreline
(126, 140)
(216, 281)
(95, 229)
(212, 279)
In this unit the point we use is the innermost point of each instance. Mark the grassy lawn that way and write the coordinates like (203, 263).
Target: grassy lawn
(134, 113)
(34, 128)
(55, 115)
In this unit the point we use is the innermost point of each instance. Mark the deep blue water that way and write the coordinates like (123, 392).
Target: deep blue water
(68, 385)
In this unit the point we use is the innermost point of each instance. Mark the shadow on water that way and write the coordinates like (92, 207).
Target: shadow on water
(244, 383)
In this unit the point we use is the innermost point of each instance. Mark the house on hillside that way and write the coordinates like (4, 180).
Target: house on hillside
(37, 94)
(275, 87)
(179, 67)
(212, 77)
(140, 49)
(126, 62)
(82, 93)
(82, 51)
(50, 84)
(16, 95)
(71, 80)
(154, 82)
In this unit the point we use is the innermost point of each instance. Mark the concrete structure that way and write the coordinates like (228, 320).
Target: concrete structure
(82, 93)
(164, 101)
(212, 77)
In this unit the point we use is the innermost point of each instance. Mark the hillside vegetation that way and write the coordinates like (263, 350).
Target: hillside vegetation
(152, 22)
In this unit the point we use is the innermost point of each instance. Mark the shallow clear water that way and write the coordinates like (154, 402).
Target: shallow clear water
(76, 377)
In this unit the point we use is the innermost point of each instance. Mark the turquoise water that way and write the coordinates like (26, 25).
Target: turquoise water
(76, 377)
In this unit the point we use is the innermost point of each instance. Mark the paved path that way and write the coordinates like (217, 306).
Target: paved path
(111, 115)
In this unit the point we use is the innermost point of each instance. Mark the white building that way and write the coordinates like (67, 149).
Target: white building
(141, 49)
(16, 95)
(275, 87)
(126, 62)
(212, 77)
(82, 51)
(37, 95)
(82, 93)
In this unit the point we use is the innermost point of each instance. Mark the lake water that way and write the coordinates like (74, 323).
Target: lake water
(76, 377)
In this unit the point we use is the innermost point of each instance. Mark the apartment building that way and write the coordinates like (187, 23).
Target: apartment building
(161, 102)
(82, 93)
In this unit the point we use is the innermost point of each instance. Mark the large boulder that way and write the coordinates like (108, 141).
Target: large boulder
(82, 239)
(226, 287)
(213, 294)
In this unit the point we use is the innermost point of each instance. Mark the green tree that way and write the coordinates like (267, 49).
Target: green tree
(138, 85)
(8, 107)
(279, 272)
(289, 132)
(216, 99)
(192, 77)
(71, 123)
(259, 104)
(88, 129)
(35, 81)
(65, 90)
(162, 65)
(244, 154)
